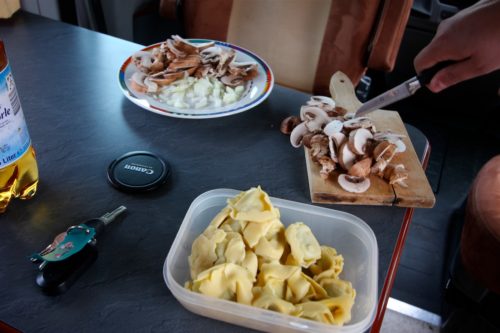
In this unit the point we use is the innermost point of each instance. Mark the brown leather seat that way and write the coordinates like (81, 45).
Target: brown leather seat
(349, 36)
(480, 244)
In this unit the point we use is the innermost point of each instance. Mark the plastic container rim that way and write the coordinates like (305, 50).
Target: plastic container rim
(241, 310)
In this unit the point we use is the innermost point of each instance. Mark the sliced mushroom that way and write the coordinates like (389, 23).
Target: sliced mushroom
(225, 59)
(351, 142)
(339, 111)
(172, 48)
(137, 82)
(369, 147)
(338, 139)
(246, 70)
(379, 167)
(353, 184)
(165, 79)
(358, 140)
(152, 86)
(308, 112)
(399, 179)
(360, 122)
(297, 134)
(288, 124)
(325, 103)
(400, 146)
(349, 116)
(319, 146)
(323, 100)
(327, 166)
(158, 64)
(143, 60)
(325, 107)
(396, 174)
(232, 80)
(188, 47)
(384, 150)
(361, 168)
(346, 156)
(387, 136)
(333, 153)
(190, 61)
(334, 126)
(211, 55)
(203, 71)
(314, 117)
(306, 139)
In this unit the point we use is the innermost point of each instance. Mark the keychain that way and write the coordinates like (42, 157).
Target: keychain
(70, 253)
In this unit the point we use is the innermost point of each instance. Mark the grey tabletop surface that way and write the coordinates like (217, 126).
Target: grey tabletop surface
(79, 121)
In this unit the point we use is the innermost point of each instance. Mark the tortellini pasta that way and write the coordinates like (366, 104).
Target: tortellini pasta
(247, 255)
(226, 281)
(329, 265)
(305, 249)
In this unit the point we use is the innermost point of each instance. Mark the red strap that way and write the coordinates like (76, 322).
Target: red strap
(6, 328)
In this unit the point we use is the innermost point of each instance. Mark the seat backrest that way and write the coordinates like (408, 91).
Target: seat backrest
(304, 42)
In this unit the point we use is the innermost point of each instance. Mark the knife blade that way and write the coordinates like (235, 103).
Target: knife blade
(403, 90)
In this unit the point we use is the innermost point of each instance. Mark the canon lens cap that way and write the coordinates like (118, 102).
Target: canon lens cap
(138, 171)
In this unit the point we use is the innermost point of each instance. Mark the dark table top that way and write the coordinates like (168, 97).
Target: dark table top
(79, 121)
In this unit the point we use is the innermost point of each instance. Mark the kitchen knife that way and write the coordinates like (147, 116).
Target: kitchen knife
(403, 90)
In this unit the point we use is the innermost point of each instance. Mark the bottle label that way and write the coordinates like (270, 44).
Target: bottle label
(14, 136)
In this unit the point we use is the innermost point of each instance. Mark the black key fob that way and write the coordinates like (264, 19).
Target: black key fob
(56, 277)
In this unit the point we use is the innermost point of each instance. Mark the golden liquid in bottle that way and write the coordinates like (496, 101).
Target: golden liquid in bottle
(18, 179)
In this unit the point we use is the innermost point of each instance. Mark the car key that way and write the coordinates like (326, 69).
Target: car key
(63, 261)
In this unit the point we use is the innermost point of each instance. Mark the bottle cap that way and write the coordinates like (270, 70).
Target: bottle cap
(138, 171)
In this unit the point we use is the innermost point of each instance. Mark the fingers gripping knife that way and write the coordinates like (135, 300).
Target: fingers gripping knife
(403, 90)
(71, 253)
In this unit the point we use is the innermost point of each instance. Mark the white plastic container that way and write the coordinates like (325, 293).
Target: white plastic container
(350, 235)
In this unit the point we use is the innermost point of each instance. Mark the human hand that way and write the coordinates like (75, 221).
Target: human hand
(471, 38)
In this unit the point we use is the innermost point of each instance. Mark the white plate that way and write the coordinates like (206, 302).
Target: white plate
(256, 90)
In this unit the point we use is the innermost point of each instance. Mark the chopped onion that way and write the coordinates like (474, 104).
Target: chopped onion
(200, 93)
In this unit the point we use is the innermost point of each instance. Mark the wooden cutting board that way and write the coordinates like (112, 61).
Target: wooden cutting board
(417, 194)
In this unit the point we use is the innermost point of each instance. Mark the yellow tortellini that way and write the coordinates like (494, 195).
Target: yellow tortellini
(271, 246)
(305, 249)
(226, 281)
(315, 311)
(203, 251)
(253, 205)
(269, 301)
(329, 265)
(247, 255)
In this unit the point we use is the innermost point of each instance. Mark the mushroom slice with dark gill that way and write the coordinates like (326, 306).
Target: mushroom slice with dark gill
(346, 156)
(297, 134)
(358, 140)
(288, 124)
(360, 122)
(353, 184)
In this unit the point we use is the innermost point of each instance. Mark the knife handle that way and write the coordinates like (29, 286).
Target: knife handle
(426, 75)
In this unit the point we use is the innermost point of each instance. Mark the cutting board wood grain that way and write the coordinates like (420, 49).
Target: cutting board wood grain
(417, 194)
